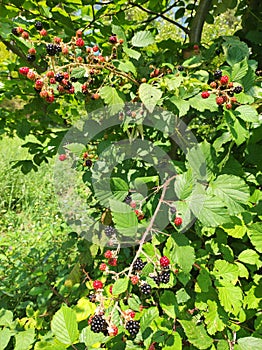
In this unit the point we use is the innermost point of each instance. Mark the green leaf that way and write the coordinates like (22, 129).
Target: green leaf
(76, 148)
(182, 105)
(236, 127)
(132, 53)
(239, 70)
(148, 316)
(232, 190)
(209, 210)
(201, 104)
(24, 339)
(83, 309)
(168, 304)
(184, 184)
(236, 229)
(64, 325)
(249, 343)
(182, 296)
(196, 334)
(124, 218)
(181, 252)
(235, 50)
(255, 235)
(230, 298)
(50, 345)
(204, 280)
(143, 39)
(6, 317)
(249, 256)
(225, 272)
(247, 113)
(120, 286)
(112, 98)
(78, 73)
(119, 32)
(5, 335)
(212, 319)
(127, 66)
(90, 338)
(149, 95)
(119, 188)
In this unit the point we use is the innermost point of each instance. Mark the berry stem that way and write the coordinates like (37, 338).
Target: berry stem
(150, 226)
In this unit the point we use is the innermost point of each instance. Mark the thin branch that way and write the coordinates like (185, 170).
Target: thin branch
(161, 14)
(151, 224)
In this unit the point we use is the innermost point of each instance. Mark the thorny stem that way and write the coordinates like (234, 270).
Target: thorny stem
(152, 221)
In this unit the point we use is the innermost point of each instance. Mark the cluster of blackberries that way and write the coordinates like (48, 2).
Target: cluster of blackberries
(110, 231)
(98, 324)
(162, 277)
(145, 288)
(133, 327)
(53, 49)
(138, 265)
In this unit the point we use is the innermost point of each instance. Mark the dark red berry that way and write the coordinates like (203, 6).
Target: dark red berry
(62, 157)
(178, 221)
(97, 284)
(113, 39)
(205, 94)
(224, 79)
(219, 100)
(80, 42)
(23, 70)
(164, 261)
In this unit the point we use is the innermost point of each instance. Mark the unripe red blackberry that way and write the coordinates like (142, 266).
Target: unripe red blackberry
(178, 221)
(23, 70)
(224, 79)
(95, 48)
(62, 157)
(134, 279)
(31, 75)
(102, 267)
(219, 100)
(43, 32)
(164, 261)
(108, 254)
(205, 94)
(112, 262)
(25, 35)
(97, 285)
(80, 42)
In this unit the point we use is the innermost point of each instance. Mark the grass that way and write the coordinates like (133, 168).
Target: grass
(27, 202)
(35, 248)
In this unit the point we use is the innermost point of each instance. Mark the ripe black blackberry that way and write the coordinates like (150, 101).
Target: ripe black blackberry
(73, 79)
(58, 49)
(155, 278)
(38, 25)
(68, 87)
(15, 32)
(132, 327)
(128, 199)
(238, 89)
(172, 210)
(92, 297)
(98, 324)
(230, 93)
(30, 57)
(59, 77)
(145, 289)
(218, 52)
(109, 231)
(164, 276)
(138, 265)
(180, 68)
(218, 74)
(88, 162)
(51, 49)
